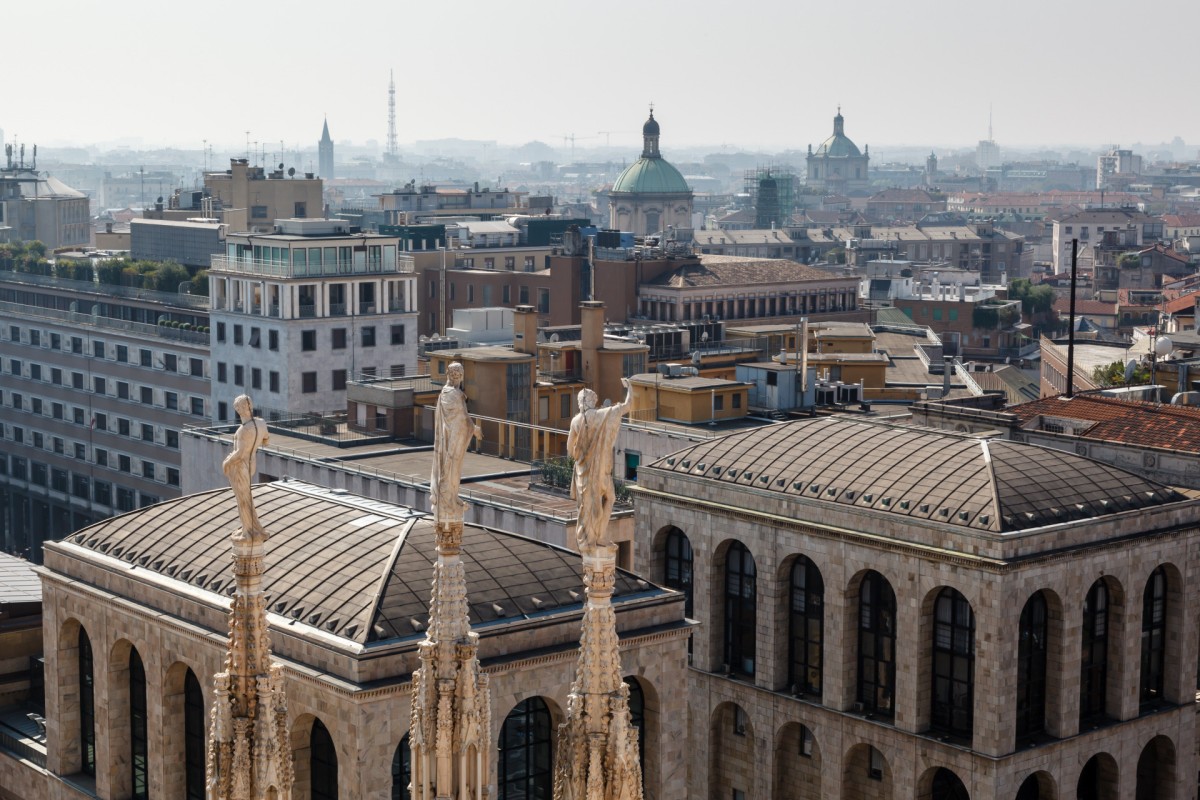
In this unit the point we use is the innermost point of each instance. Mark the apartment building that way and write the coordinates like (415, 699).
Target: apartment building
(92, 399)
(299, 312)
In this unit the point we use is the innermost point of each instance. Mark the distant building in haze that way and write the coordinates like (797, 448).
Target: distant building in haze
(325, 153)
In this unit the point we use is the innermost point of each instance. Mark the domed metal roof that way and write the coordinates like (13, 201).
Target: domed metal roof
(356, 568)
(651, 176)
(651, 126)
(838, 146)
(981, 484)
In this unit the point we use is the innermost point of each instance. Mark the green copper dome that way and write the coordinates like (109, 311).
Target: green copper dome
(838, 145)
(651, 175)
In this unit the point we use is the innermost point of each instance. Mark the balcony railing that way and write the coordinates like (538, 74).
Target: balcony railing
(274, 269)
(366, 308)
(307, 310)
(337, 309)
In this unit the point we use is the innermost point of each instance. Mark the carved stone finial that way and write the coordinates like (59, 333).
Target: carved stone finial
(249, 757)
(239, 466)
(452, 432)
(590, 443)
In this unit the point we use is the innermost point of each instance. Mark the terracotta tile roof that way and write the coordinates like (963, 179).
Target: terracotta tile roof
(1181, 305)
(1124, 421)
(1181, 220)
(1063, 306)
(737, 271)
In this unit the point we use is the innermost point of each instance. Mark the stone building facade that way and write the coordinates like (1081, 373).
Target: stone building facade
(135, 623)
(890, 612)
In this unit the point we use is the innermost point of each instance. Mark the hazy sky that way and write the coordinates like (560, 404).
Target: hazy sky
(744, 74)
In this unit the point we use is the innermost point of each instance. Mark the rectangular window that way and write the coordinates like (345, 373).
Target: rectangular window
(123, 390)
(737, 401)
(148, 469)
(258, 212)
(172, 476)
(124, 463)
(172, 400)
(222, 375)
(147, 395)
(339, 379)
(255, 378)
(308, 382)
(55, 341)
(123, 426)
(239, 375)
(14, 333)
(122, 354)
(56, 376)
(98, 385)
(35, 405)
(507, 295)
(273, 381)
(77, 380)
(339, 338)
(35, 372)
(397, 334)
(147, 433)
(272, 340)
(220, 331)
(237, 334)
(102, 492)
(170, 362)
(718, 402)
(77, 416)
(308, 341)
(15, 367)
(172, 439)
(145, 358)
(100, 422)
(77, 345)
(101, 457)
(124, 498)
(565, 401)
(368, 336)
(80, 450)
(57, 411)
(255, 338)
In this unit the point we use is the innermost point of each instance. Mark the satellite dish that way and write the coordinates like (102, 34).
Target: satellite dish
(281, 165)
(159, 200)
(554, 337)
(1163, 346)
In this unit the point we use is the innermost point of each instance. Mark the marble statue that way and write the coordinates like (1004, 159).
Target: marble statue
(452, 432)
(239, 466)
(590, 443)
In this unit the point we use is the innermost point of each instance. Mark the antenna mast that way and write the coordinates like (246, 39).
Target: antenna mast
(391, 140)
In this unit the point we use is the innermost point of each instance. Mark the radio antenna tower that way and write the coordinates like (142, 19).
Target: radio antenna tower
(392, 149)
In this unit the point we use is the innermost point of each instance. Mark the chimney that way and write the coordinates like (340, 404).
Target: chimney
(803, 347)
(591, 317)
(947, 371)
(525, 330)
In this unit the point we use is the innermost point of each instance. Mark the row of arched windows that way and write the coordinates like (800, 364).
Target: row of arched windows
(952, 649)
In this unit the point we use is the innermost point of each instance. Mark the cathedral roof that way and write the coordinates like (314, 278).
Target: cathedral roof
(981, 484)
(651, 176)
(353, 567)
(838, 145)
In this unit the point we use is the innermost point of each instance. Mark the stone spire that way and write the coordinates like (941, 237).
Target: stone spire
(597, 755)
(450, 734)
(249, 754)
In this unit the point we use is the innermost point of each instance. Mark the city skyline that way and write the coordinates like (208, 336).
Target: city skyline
(756, 80)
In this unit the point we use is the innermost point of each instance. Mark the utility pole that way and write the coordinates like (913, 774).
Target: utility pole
(1071, 332)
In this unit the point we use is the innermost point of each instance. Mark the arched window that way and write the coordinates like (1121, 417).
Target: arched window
(524, 768)
(678, 574)
(637, 717)
(1031, 668)
(194, 737)
(137, 727)
(87, 705)
(402, 770)
(323, 763)
(947, 786)
(806, 620)
(953, 664)
(876, 645)
(1093, 659)
(1154, 637)
(741, 609)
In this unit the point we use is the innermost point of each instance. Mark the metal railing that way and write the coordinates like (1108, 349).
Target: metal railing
(107, 323)
(21, 749)
(274, 269)
(152, 295)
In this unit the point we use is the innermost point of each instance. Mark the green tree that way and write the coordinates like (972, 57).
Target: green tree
(1034, 299)
(1114, 375)
(200, 283)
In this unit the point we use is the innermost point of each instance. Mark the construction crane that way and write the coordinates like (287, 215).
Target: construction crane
(608, 136)
(570, 137)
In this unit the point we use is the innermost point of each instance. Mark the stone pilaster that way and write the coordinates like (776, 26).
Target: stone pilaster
(249, 754)
(450, 735)
(597, 754)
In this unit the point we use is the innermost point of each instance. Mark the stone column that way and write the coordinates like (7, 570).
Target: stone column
(249, 750)
(597, 754)
(450, 733)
